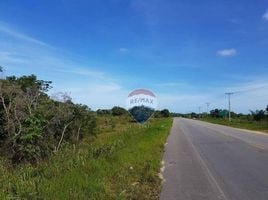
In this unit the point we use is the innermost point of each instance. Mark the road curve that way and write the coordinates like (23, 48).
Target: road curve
(205, 161)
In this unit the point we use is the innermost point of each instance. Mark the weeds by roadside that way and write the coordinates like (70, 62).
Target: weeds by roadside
(121, 163)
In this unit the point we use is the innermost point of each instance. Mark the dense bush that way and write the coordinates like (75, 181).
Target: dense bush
(117, 111)
(162, 113)
(104, 112)
(165, 113)
(32, 125)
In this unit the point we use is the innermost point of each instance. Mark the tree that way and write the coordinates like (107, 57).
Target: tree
(62, 119)
(215, 113)
(1, 71)
(84, 122)
(165, 113)
(28, 146)
(194, 115)
(13, 107)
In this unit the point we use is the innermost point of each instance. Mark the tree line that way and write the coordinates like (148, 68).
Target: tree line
(257, 115)
(119, 111)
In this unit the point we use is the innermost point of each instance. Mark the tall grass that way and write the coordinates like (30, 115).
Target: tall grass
(121, 163)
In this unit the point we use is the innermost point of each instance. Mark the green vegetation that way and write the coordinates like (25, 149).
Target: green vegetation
(118, 111)
(122, 162)
(256, 120)
(162, 113)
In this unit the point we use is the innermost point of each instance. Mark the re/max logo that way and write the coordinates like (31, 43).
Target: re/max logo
(141, 100)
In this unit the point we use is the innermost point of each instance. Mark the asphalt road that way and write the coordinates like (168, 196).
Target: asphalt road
(205, 161)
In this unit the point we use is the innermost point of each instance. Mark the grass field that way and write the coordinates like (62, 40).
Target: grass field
(238, 123)
(122, 162)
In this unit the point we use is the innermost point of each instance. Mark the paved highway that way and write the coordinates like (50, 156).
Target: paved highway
(205, 161)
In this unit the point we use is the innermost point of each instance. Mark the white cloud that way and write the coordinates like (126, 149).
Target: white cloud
(234, 21)
(173, 84)
(96, 95)
(227, 52)
(249, 96)
(265, 16)
(182, 102)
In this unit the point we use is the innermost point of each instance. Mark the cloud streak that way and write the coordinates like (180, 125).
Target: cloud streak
(83, 72)
(9, 57)
(227, 52)
(21, 54)
(11, 32)
(123, 50)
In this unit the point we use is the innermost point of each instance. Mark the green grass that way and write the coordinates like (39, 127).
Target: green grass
(121, 163)
(240, 123)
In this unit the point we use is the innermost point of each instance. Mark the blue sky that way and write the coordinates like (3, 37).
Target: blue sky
(187, 52)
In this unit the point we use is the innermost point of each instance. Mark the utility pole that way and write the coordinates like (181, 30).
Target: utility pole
(199, 110)
(229, 102)
(207, 106)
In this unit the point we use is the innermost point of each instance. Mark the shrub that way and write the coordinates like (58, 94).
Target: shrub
(117, 111)
(27, 145)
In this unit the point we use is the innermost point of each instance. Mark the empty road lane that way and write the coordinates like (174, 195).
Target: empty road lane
(205, 161)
